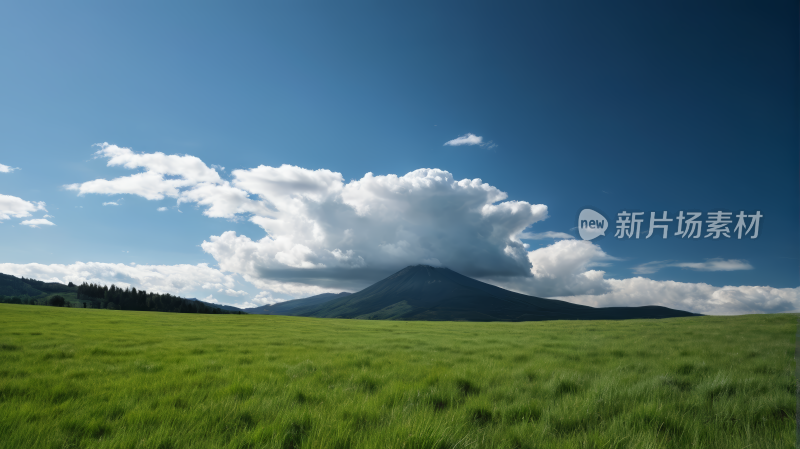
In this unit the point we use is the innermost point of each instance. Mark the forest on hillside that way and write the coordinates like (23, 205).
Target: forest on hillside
(15, 290)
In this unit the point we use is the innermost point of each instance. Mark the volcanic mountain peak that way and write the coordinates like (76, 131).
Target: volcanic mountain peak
(424, 292)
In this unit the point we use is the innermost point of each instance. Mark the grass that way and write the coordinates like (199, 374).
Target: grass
(74, 378)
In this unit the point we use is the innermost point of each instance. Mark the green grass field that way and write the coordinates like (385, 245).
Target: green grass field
(98, 378)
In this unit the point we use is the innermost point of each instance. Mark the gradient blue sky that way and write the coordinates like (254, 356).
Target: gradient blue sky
(612, 106)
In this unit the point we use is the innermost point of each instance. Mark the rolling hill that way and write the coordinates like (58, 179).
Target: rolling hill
(14, 286)
(33, 292)
(423, 292)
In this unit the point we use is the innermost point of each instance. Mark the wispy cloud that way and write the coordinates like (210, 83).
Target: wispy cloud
(36, 222)
(545, 235)
(470, 139)
(717, 265)
(162, 209)
(7, 169)
(466, 139)
(111, 203)
(708, 265)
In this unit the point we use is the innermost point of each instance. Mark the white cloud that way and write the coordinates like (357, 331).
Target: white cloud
(7, 169)
(717, 265)
(162, 209)
(36, 222)
(265, 299)
(708, 265)
(174, 279)
(327, 235)
(562, 269)
(545, 235)
(11, 206)
(466, 139)
(232, 292)
(210, 299)
(110, 203)
(698, 298)
(323, 232)
(185, 178)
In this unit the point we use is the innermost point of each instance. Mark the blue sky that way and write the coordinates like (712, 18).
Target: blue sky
(613, 107)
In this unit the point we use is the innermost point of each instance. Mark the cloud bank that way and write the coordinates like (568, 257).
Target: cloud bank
(698, 298)
(174, 279)
(323, 234)
(566, 270)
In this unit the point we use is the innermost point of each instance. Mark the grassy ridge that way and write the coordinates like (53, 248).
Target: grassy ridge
(100, 378)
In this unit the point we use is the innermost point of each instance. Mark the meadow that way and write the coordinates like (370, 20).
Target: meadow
(73, 378)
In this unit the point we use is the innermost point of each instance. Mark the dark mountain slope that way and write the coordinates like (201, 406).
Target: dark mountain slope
(14, 286)
(290, 307)
(439, 294)
(219, 306)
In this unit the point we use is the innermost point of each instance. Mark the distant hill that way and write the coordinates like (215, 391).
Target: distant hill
(30, 291)
(291, 307)
(423, 292)
(14, 286)
(219, 306)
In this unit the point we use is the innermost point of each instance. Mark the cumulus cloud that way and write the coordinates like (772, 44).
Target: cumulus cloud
(162, 209)
(174, 279)
(7, 169)
(564, 268)
(466, 139)
(324, 233)
(36, 222)
(708, 265)
(11, 206)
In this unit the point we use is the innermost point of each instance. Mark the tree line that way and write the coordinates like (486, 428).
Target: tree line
(131, 299)
(103, 297)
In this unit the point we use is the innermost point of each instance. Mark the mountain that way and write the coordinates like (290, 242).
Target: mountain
(290, 307)
(423, 292)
